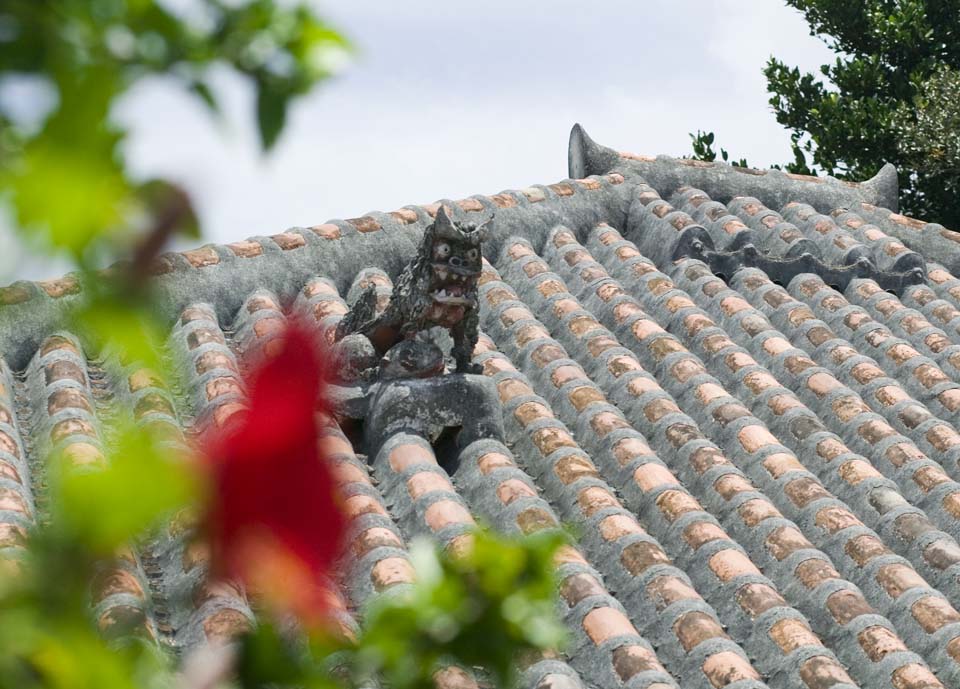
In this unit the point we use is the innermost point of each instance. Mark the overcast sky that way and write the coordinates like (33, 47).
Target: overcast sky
(448, 98)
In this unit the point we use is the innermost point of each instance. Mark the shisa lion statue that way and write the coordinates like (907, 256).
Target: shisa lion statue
(438, 288)
(390, 366)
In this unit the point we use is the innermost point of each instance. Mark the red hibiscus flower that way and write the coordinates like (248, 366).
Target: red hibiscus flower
(274, 519)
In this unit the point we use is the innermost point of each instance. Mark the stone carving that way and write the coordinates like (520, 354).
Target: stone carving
(437, 288)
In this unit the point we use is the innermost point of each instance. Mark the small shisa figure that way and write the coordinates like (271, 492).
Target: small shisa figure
(438, 288)
(390, 365)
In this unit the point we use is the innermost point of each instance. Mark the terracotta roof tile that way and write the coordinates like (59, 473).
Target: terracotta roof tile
(739, 452)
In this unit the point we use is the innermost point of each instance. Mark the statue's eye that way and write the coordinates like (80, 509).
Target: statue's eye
(441, 250)
(473, 254)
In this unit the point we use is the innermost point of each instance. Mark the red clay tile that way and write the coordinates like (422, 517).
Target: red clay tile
(932, 613)
(695, 627)
(390, 571)
(790, 634)
(821, 672)
(446, 513)
(847, 605)
(577, 587)
(758, 598)
(730, 564)
(914, 676)
(424, 482)
(602, 624)
(726, 667)
(698, 533)
(631, 660)
(616, 526)
(404, 456)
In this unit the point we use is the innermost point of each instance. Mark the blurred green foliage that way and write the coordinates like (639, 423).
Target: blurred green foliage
(881, 100)
(111, 506)
(484, 608)
(65, 176)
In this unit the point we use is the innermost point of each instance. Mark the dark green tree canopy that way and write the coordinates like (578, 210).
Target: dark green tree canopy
(889, 96)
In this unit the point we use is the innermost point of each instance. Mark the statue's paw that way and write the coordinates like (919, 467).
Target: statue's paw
(412, 359)
(354, 356)
(475, 369)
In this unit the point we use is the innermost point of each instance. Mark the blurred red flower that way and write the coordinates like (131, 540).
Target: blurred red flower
(274, 518)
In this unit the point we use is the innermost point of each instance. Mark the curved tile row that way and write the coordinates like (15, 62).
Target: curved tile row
(838, 241)
(67, 429)
(203, 611)
(727, 231)
(850, 386)
(944, 284)
(792, 414)
(757, 514)
(918, 373)
(144, 398)
(320, 302)
(675, 235)
(779, 238)
(926, 418)
(719, 565)
(419, 492)
(421, 497)
(887, 253)
(257, 327)
(256, 334)
(17, 508)
(629, 557)
(506, 497)
(64, 410)
(378, 559)
(214, 386)
(907, 323)
(925, 300)
(794, 490)
(930, 239)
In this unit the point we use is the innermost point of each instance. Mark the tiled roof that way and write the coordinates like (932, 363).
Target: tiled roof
(762, 464)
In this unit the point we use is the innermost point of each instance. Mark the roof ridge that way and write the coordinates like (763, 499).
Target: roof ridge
(724, 181)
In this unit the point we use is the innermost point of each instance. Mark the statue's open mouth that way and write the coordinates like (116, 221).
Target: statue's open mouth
(453, 284)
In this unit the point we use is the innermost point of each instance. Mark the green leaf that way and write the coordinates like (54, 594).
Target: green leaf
(125, 328)
(271, 115)
(202, 90)
(67, 184)
(141, 483)
(480, 608)
(68, 195)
